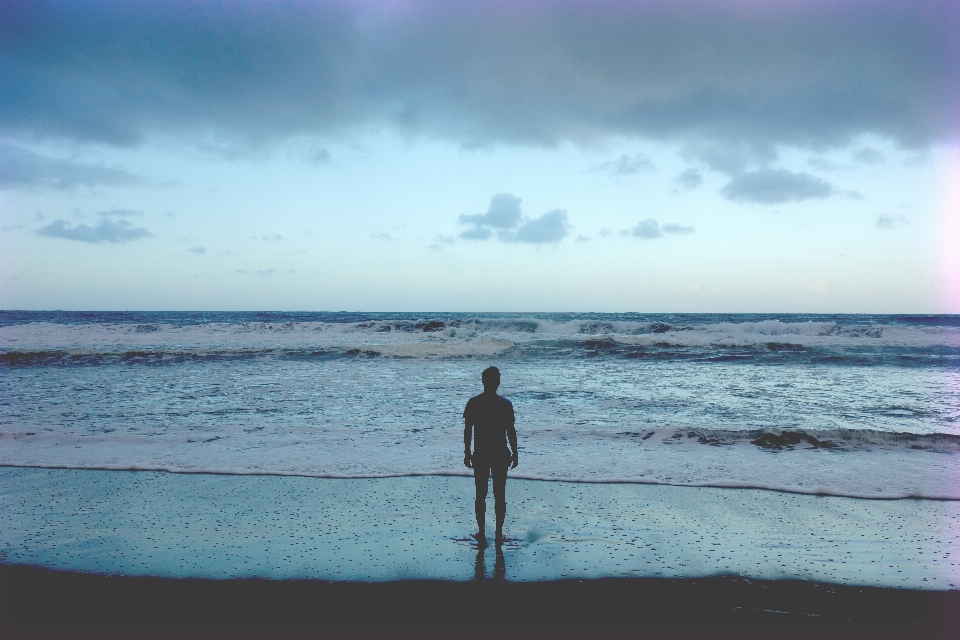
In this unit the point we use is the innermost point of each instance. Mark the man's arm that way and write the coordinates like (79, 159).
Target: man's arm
(467, 434)
(512, 436)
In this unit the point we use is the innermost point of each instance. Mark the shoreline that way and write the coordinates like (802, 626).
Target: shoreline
(418, 528)
(821, 493)
(37, 602)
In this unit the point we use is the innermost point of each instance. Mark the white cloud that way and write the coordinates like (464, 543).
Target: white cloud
(689, 179)
(21, 168)
(649, 229)
(550, 228)
(627, 165)
(771, 186)
(506, 219)
(105, 230)
(889, 221)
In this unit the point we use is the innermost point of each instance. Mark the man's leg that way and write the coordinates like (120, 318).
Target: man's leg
(500, 497)
(481, 476)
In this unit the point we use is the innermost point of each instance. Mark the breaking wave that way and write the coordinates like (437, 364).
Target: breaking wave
(709, 338)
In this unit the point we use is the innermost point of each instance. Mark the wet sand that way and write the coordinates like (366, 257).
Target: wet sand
(418, 528)
(146, 553)
(41, 603)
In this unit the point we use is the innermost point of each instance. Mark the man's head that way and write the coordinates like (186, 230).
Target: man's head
(491, 379)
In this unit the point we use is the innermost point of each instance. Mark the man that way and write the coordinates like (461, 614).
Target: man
(489, 419)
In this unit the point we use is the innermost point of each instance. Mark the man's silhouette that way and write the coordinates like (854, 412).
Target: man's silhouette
(489, 418)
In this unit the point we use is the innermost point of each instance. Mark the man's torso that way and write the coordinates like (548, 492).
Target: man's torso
(491, 417)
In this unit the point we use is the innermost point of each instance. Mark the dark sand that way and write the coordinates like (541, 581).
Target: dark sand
(42, 603)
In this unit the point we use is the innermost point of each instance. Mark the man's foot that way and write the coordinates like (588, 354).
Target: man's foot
(481, 539)
(501, 539)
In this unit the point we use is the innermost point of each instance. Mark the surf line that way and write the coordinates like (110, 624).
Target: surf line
(819, 493)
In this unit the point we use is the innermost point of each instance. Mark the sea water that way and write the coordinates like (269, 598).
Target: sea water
(858, 406)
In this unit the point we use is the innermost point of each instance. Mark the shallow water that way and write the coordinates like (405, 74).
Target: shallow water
(223, 526)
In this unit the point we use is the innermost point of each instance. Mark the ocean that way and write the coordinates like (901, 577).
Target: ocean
(843, 405)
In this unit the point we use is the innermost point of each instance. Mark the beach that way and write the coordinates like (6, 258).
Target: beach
(191, 549)
(41, 603)
(263, 474)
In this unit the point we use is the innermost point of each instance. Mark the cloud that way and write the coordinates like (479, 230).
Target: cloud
(272, 237)
(887, 221)
(505, 218)
(263, 273)
(383, 236)
(730, 156)
(21, 168)
(822, 165)
(550, 228)
(197, 250)
(318, 155)
(477, 233)
(868, 156)
(761, 74)
(674, 228)
(504, 213)
(626, 165)
(649, 229)
(441, 241)
(689, 179)
(105, 230)
(770, 186)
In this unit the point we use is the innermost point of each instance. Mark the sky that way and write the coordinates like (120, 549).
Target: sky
(516, 156)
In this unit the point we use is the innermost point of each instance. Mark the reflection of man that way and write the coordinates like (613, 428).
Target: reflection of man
(499, 566)
(490, 419)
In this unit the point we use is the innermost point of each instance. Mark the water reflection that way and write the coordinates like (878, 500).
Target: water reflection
(499, 566)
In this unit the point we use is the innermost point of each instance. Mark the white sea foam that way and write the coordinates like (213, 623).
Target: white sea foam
(863, 465)
(461, 338)
(382, 397)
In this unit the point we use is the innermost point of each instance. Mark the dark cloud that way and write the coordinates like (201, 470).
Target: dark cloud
(771, 186)
(197, 250)
(21, 168)
(649, 229)
(868, 156)
(730, 156)
(505, 218)
(627, 165)
(689, 179)
(823, 165)
(271, 237)
(887, 221)
(319, 155)
(105, 230)
(751, 73)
